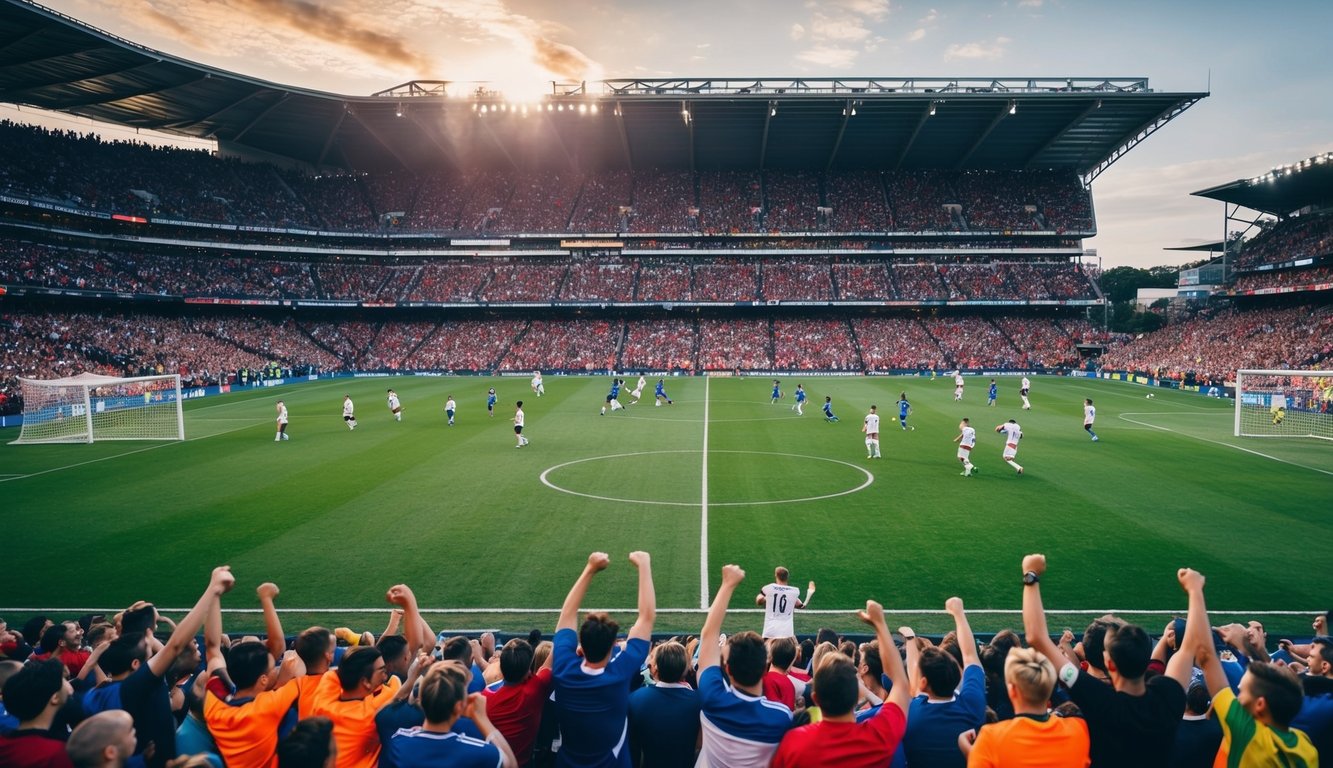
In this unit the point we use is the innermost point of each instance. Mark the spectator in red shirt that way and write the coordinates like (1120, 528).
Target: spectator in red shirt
(34, 694)
(777, 685)
(515, 708)
(837, 739)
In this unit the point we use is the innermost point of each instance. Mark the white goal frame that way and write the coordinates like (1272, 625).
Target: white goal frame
(90, 408)
(1299, 421)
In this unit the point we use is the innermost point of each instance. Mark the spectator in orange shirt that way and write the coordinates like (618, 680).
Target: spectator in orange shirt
(350, 696)
(1035, 736)
(245, 726)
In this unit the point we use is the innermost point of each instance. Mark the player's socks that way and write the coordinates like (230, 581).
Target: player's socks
(277, 438)
(604, 410)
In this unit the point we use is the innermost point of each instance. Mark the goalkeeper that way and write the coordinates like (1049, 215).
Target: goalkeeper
(1279, 415)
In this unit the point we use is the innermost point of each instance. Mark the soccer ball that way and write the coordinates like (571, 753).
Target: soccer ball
(1150, 396)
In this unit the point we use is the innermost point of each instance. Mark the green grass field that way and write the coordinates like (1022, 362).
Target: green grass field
(336, 517)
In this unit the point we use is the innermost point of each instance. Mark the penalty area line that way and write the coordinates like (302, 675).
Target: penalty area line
(1218, 442)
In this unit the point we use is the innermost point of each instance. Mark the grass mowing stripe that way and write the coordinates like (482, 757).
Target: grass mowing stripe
(1124, 416)
(703, 512)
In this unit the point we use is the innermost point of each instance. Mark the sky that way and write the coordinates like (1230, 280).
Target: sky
(1267, 66)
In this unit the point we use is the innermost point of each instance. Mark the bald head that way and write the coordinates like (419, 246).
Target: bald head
(105, 740)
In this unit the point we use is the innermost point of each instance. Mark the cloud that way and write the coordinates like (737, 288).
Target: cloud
(877, 10)
(829, 57)
(331, 24)
(1029, 3)
(797, 32)
(847, 28)
(916, 35)
(931, 17)
(560, 59)
(976, 51)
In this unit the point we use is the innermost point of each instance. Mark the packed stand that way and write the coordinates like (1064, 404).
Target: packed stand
(729, 345)
(795, 280)
(791, 201)
(604, 203)
(730, 202)
(394, 344)
(921, 202)
(664, 201)
(449, 281)
(726, 281)
(608, 278)
(858, 203)
(1212, 345)
(814, 345)
(542, 202)
(858, 281)
(574, 345)
(973, 342)
(664, 281)
(917, 281)
(889, 343)
(661, 344)
(474, 346)
(1290, 278)
(1299, 237)
(439, 203)
(339, 202)
(1042, 343)
(391, 195)
(524, 282)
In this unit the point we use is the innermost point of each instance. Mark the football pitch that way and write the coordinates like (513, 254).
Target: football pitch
(491, 536)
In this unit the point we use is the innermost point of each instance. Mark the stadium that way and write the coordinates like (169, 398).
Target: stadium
(914, 248)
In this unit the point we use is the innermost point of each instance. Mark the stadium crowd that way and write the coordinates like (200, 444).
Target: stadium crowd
(135, 688)
(87, 173)
(501, 278)
(1299, 279)
(1299, 237)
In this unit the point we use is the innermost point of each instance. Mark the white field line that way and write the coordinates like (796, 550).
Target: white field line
(10, 478)
(628, 610)
(703, 512)
(1214, 442)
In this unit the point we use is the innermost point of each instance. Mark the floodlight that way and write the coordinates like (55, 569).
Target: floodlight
(1013, 107)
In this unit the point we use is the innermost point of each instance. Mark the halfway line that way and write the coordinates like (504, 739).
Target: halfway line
(703, 513)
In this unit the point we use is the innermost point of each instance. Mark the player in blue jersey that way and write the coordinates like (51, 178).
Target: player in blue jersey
(611, 397)
(828, 410)
(799, 405)
(777, 392)
(660, 393)
(904, 410)
(490, 402)
(992, 393)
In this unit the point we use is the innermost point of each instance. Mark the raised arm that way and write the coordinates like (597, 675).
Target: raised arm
(569, 612)
(1034, 614)
(710, 654)
(966, 641)
(900, 695)
(809, 593)
(395, 620)
(274, 639)
(913, 649)
(643, 626)
(213, 658)
(1197, 643)
(218, 585)
(401, 595)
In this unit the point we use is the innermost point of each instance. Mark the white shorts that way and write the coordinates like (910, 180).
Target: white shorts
(964, 453)
(1010, 451)
(637, 393)
(958, 390)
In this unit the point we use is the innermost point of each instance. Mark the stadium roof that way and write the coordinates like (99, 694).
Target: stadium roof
(1282, 190)
(52, 61)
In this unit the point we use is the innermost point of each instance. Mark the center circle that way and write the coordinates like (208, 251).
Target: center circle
(546, 480)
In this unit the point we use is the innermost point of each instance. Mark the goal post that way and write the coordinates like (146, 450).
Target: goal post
(89, 408)
(1284, 403)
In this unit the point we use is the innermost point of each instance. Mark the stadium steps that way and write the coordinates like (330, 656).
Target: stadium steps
(495, 364)
(856, 343)
(620, 345)
(1018, 351)
(425, 337)
(319, 284)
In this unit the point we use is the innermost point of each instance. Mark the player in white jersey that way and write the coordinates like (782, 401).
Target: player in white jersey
(871, 428)
(537, 385)
(348, 417)
(518, 424)
(1089, 416)
(967, 440)
(282, 423)
(1023, 392)
(638, 389)
(957, 386)
(395, 407)
(1012, 434)
(450, 406)
(780, 601)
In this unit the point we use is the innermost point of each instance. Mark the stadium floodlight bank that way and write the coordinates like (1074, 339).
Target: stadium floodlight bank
(1285, 403)
(89, 407)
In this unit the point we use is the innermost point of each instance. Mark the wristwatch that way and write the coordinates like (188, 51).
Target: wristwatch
(1030, 578)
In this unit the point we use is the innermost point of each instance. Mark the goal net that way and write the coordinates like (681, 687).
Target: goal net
(88, 408)
(1284, 404)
